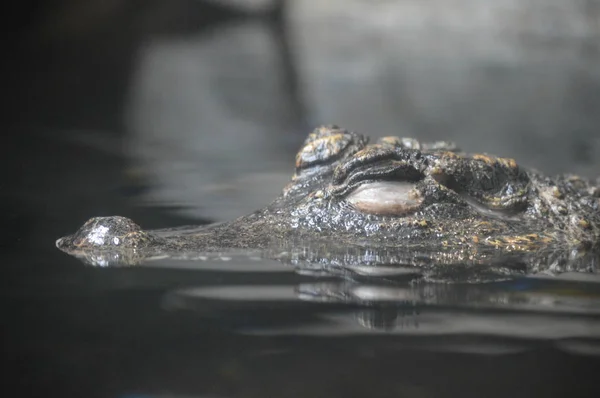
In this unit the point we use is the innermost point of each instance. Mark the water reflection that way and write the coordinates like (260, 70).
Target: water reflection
(524, 309)
(522, 294)
(319, 259)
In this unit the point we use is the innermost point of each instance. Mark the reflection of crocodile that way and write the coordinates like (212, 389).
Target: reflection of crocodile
(535, 307)
(396, 194)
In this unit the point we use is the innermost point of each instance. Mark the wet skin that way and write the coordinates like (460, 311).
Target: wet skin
(393, 196)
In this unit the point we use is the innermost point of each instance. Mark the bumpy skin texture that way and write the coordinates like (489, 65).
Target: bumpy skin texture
(453, 204)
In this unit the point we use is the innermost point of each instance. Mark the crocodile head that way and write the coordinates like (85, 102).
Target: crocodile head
(392, 198)
(401, 193)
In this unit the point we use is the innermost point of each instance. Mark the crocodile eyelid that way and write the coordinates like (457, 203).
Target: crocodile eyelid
(372, 154)
(386, 170)
(386, 198)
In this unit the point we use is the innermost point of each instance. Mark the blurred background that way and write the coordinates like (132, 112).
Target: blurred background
(192, 110)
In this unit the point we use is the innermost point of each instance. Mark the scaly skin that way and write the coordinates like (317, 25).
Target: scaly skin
(454, 206)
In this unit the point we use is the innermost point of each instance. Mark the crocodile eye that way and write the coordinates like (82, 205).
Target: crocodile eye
(386, 198)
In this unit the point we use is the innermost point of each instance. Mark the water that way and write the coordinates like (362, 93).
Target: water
(245, 327)
(175, 116)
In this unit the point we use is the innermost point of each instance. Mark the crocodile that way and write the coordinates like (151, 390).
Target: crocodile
(394, 201)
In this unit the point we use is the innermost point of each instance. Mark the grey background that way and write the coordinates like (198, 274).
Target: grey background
(206, 102)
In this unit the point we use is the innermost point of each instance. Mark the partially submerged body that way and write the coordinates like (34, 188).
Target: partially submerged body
(397, 199)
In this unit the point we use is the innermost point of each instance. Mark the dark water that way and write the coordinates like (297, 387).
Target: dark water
(149, 112)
